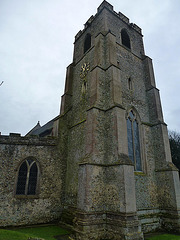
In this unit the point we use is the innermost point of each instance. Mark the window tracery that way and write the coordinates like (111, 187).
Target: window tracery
(134, 141)
(27, 178)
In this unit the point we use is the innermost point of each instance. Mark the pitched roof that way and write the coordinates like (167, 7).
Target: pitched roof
(34, 129)
(43, 131)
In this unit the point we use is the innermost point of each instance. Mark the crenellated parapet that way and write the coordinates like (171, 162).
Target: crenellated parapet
(39, 160)
(110, 8)
(17, 139)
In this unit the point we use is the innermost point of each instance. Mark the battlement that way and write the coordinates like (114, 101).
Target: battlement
(120, 15)
(123, 17)
(105, 4)
(17, 139)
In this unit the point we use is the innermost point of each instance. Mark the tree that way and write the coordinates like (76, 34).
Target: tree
(174, 140)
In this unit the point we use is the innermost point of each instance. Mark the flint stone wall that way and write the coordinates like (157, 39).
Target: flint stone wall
(46, 205)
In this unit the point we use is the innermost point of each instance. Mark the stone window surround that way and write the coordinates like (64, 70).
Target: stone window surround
(87, 42)
(129, 40)
(38, 179)
(141, 139)
(130, 84)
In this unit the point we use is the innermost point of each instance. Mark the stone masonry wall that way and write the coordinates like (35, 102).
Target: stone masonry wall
(46, 205)
(128, 64)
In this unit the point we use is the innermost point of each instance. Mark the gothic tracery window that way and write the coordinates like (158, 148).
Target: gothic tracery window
(27, 178)
(134, 141)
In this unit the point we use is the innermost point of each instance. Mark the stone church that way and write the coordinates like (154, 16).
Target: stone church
(103, 165)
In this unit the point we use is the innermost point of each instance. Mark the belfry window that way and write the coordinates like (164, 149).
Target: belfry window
(133, 141)
(27, 178)
(125, 39)
(87, 42)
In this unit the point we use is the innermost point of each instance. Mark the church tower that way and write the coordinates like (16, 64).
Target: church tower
(119, 177)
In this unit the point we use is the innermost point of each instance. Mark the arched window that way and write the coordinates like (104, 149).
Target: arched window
(27, 178)
(134, 141)
(125, 39)
(87, 42)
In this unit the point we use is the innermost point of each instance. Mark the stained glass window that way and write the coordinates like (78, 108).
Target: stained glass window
(133, 141)
(27, 178)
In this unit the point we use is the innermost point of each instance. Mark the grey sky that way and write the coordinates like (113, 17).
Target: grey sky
(36, 46)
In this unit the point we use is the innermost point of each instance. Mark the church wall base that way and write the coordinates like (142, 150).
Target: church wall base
(150, 220)
(156, 220)
(170, 221)
(110, 226)
(113, 226)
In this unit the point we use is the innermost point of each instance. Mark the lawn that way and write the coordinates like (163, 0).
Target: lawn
(12, 235)
(164, 237)
(48, 233)
(45, 232)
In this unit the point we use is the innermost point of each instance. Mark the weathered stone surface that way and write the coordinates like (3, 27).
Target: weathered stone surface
(86, 175)
(45, 206)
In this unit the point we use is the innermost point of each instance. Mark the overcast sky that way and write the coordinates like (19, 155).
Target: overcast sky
(36, 46)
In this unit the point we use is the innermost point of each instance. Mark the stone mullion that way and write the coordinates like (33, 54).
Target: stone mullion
(27, 178)
(134, 150)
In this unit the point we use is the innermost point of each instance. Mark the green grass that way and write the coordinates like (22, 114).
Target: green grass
(164, 237)
(12, 235)
(48, 233)
(45, 232)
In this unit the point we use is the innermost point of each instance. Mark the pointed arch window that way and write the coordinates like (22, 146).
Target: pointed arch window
(134, 141)
(87, 42)
(27, 178)
(125, 39)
